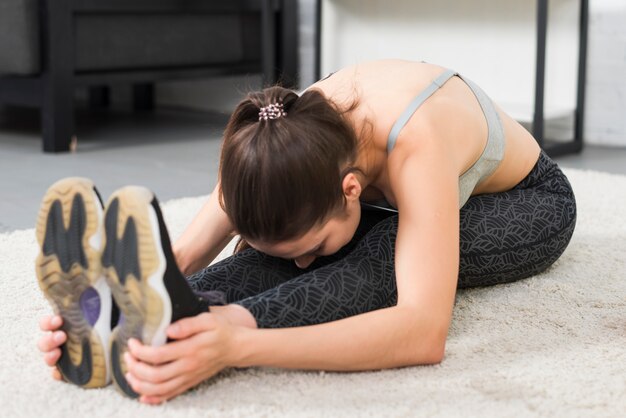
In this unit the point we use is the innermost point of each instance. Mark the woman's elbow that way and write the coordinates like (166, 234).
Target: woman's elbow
(428, 351)
(427, 344)
(436, 353)
(438, 343)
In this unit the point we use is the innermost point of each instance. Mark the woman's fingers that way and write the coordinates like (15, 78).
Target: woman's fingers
(56, 375)
(177, 391)
(156, 374)
(156, 389)
(158, 355)
(151, 400)
(51, 357)
(51, 341)
(186, 327)
(50, 322)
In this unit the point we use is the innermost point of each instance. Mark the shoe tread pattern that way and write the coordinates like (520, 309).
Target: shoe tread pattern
(65, 267)
(129, 258)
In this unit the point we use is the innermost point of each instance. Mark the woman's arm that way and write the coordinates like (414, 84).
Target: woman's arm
(391, 337)
(425, 185)
(206, 236)
(412, 332)
(205, 344)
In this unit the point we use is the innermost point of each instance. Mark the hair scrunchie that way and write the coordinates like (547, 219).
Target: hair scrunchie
(272, 111)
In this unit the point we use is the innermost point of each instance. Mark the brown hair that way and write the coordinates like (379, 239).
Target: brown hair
(280, 177)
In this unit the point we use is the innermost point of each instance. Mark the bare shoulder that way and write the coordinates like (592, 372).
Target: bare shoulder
(376, 91)
(366, 79)
(422, 171)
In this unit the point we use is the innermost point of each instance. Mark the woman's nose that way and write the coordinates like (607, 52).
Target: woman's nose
(304, 261)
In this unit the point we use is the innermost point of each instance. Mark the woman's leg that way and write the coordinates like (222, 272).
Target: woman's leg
(251, 272)
(513, 235)
(504, 237)
(361, 281)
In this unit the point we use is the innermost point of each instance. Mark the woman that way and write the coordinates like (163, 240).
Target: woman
(363, 204)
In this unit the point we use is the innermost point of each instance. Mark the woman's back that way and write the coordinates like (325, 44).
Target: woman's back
(385, 88)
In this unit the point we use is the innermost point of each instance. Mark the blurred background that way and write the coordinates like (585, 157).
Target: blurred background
(139, 91)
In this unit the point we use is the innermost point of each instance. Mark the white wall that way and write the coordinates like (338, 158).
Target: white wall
(605, 121)
(500, 35)
(491, 42)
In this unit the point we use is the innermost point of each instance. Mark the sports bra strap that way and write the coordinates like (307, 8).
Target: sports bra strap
(412, 107)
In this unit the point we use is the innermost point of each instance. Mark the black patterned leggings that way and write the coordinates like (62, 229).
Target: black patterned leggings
(504, 237)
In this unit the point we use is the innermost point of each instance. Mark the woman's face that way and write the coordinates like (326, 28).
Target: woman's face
(321, 240)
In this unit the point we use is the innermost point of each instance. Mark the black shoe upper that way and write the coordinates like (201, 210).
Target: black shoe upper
(185, 302)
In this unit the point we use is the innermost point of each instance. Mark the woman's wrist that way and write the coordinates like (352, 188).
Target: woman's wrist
(243, 351)
(235, 314)
(242, 323)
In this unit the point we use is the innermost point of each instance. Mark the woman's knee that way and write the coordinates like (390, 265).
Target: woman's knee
(514, 263)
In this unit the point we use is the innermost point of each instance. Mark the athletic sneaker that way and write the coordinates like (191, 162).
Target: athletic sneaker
(143, 276)
(69, 233)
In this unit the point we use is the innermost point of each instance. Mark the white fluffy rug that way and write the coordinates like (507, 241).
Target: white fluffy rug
(553, 345)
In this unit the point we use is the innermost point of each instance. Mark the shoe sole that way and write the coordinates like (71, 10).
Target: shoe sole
(134, 265)
(69, 235)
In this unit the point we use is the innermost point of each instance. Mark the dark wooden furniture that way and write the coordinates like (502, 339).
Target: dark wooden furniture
(52, 88)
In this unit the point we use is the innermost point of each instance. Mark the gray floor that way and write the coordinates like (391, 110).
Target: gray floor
(173, 152)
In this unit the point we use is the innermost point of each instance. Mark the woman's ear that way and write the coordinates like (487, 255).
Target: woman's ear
(351, 187)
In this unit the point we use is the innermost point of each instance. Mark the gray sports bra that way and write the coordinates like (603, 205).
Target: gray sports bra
(489, 159)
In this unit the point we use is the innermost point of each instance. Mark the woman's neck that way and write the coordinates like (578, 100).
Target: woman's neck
(372, 161)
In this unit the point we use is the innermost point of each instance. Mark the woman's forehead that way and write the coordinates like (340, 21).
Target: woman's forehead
(294, 247)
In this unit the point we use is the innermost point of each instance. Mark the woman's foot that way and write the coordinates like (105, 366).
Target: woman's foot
(142, 274)
(69, 274)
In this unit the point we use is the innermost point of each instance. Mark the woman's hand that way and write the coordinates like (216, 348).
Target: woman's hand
(50, 342)
(203, 347)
